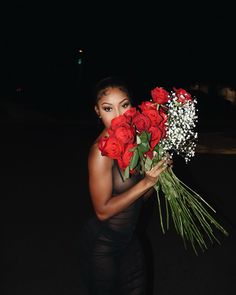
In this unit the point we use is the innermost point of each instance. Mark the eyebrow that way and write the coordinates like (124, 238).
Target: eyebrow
(119, 102)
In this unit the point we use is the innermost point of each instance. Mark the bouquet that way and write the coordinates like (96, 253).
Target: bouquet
(142, 136)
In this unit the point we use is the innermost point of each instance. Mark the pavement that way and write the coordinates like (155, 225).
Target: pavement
(217, 143)
(45, 201)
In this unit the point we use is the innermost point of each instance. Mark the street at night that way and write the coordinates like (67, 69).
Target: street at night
(52, 57)
(45, 201)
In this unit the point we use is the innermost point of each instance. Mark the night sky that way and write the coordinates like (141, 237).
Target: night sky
(148, 45)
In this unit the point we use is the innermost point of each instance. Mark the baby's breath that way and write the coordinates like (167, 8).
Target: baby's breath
(181, 136)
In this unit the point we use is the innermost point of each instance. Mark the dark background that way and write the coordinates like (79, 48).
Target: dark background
(149, 44)
(48, 125)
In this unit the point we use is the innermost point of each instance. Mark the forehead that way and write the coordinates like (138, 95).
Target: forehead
(112, 94)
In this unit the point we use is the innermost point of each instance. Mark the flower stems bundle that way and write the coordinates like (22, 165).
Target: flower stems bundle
(192, 221)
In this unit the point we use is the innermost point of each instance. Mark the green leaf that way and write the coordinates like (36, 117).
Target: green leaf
(148, 164)
(126, 173)
(145, 137)
(143, 147)
(134, 160)
(138, 140)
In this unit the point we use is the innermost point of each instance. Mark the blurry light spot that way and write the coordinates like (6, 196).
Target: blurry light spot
(80, 57)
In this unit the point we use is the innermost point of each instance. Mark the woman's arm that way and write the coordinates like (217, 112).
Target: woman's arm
(100, 185)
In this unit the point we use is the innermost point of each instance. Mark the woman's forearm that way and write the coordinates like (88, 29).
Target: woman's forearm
(117, 203)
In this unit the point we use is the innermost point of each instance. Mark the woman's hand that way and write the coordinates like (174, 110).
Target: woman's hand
(153, 174)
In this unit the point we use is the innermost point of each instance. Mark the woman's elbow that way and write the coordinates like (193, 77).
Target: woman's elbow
(102, 216)
(103, 211)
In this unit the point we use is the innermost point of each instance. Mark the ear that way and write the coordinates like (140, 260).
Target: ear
(97, 111)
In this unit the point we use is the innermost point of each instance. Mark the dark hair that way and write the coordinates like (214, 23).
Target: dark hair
(113, 82)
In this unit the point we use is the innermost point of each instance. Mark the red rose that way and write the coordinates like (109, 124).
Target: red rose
(130, 113)
(126, 157)
(160, 95)
(141, 122)
(182, 95)
(154, 116)
(125, 133)
(118, 121)
(162, 126)
(133, 171)
(156, 135)
(149, 154)
(147, 105)
(110, 147)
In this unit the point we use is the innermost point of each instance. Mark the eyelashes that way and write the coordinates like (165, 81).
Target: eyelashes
(107, 109)
(124, 105)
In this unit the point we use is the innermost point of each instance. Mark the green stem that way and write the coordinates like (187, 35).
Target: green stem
(160, 211)
(188, 214)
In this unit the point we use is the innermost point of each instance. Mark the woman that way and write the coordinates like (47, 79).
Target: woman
(112, 260)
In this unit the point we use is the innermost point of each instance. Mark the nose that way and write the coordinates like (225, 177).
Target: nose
(118, 112)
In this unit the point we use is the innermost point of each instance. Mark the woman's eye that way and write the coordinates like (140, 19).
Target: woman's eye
(107, 109)
(125, 105)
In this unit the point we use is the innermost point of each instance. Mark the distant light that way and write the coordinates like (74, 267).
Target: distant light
(80, 59)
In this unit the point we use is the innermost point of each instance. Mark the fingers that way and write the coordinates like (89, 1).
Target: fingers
(153, 174)
(164, 162)
(159, 164)
(163, 168)
(169, 162)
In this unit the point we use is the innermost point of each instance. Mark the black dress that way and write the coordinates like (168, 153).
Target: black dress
(111, 257)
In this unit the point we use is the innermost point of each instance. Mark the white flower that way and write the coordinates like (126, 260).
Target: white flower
(180, 135)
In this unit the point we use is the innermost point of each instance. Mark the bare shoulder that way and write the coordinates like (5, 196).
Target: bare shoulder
(94, 152)
(96, 160)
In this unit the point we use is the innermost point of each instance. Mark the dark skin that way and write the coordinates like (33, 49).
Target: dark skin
(109, 106)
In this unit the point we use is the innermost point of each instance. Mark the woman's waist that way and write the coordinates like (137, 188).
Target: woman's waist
(108, 234)
(114, 226)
